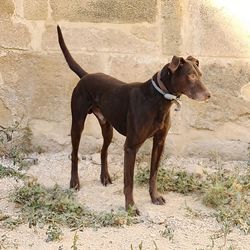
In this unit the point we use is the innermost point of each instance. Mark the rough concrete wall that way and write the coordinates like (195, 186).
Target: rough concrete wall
(130, 40)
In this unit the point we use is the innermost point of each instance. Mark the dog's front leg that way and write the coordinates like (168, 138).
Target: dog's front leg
(129, 164)
(158, 146)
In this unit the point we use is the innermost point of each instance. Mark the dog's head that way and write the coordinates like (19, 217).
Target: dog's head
(182, 76)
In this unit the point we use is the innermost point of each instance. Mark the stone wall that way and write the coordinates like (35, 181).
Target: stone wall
(130, 40)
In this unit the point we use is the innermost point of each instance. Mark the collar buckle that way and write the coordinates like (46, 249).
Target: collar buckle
(167, 95)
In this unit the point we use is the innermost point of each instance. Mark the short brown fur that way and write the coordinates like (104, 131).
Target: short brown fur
(135, 110)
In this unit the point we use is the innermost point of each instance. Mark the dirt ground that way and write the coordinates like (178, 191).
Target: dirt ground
(187, 232)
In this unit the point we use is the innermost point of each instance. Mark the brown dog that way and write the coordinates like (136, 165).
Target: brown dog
(137, 111)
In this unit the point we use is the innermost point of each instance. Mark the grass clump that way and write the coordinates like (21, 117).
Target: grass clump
(117, 219)
(41, 206)
(10, 172)
(228, 193)
(15, 144)
(171, 180)
(15, 141)
(53, 207)
(54, 233)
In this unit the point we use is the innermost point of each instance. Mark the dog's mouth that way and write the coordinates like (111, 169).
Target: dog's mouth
(200, 96)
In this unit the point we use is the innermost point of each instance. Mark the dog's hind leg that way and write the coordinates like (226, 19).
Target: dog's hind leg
(107, 133)
(79, 109)
(76, 131)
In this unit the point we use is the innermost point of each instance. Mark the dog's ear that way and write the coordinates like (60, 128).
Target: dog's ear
(175, 63)
(194, 60)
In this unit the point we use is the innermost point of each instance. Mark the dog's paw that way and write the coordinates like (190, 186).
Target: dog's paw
(158, 200)
(75, 184)
(106, 180)
(132, 210)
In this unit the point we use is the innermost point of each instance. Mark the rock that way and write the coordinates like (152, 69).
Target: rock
(127, 11)
(245, 92)
(14, 35)
(99, 39)
(171, 27)
(226, 150)
(5, 114)
(212, 28)
(7, 9)
(134, 67)
(35, 10)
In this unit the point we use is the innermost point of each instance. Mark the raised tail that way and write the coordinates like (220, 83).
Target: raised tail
(74, 66)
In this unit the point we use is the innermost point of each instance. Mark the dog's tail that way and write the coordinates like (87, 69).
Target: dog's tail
(74, 66)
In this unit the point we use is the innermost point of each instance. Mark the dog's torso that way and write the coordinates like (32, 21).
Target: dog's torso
(139, 100)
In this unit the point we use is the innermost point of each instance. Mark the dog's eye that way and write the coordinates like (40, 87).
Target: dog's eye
(192, 76)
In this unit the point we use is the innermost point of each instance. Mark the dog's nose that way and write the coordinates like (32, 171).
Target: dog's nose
(207, 95)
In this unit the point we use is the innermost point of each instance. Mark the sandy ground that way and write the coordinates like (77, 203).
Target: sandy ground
(188, 232)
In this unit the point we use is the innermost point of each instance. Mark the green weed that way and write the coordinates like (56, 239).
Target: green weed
(171, 180)
(15, 144)
(54, 233)
(10, 172)
(75, 239)
(118, 219)
(12, 223)
(168, 233)
(40, 206)
(228, 193)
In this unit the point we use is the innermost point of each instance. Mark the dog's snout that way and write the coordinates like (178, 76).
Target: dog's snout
(201, 96)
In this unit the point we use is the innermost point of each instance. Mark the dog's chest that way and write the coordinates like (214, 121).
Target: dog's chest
(159, 120)
(161, 114)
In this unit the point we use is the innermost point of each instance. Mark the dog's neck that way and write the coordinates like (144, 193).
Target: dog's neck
(162, 89)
